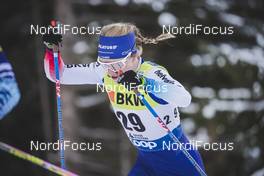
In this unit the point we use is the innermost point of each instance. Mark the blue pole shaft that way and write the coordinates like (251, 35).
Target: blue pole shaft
(61, 131)
(173, 137)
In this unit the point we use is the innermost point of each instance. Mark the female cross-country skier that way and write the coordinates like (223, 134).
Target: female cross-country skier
(9, 92)
(120, 65)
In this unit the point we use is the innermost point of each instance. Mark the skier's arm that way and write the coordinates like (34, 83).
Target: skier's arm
(73, 74)
(9, 92)
(163, 88)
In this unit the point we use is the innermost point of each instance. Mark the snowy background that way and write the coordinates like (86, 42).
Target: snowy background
(224, 74)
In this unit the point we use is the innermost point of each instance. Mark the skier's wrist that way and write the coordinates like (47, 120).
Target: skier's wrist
(47, 45)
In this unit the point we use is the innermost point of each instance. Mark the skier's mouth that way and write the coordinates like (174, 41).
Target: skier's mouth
(115, 75)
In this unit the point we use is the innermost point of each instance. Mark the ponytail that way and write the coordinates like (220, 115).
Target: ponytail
(161, 37)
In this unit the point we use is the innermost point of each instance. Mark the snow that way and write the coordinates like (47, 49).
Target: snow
(231, 100)
(158, 6)
(204, 60)
(200, 13)
(235, 93)
(80, 47)
(252, 56)
(167, 19)
(121, 2)
(253, 152)
(220, 61)
(259, 172)
(260, 39)
(232, 106)
(90, 100)
(203, 92)
(232, 19)
(218, 5)
(188, 125)
(193, 108)
(202, 135)
(95, 2)
(257, 92)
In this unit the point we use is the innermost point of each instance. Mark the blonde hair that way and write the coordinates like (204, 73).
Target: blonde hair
(117, 29)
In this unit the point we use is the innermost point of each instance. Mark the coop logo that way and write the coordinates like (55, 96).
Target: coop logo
(144, 144)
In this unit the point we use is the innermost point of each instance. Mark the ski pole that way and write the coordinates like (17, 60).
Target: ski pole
(173, 137)
(60, 124)
(35, 160)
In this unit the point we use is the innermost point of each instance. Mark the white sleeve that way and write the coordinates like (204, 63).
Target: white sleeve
(169, 90)
(74, 74)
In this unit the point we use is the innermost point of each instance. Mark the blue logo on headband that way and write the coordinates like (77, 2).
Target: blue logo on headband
(116, 47)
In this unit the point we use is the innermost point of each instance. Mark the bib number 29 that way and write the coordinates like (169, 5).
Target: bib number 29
(131, 121)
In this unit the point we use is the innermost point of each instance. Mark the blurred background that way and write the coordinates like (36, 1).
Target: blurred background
(224, 74)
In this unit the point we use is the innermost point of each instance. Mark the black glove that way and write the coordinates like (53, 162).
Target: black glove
(51, 39)
(130, 80)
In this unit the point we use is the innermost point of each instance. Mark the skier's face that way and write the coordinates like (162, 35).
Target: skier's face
(115, 51)
(115, 69)
(114, 66)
